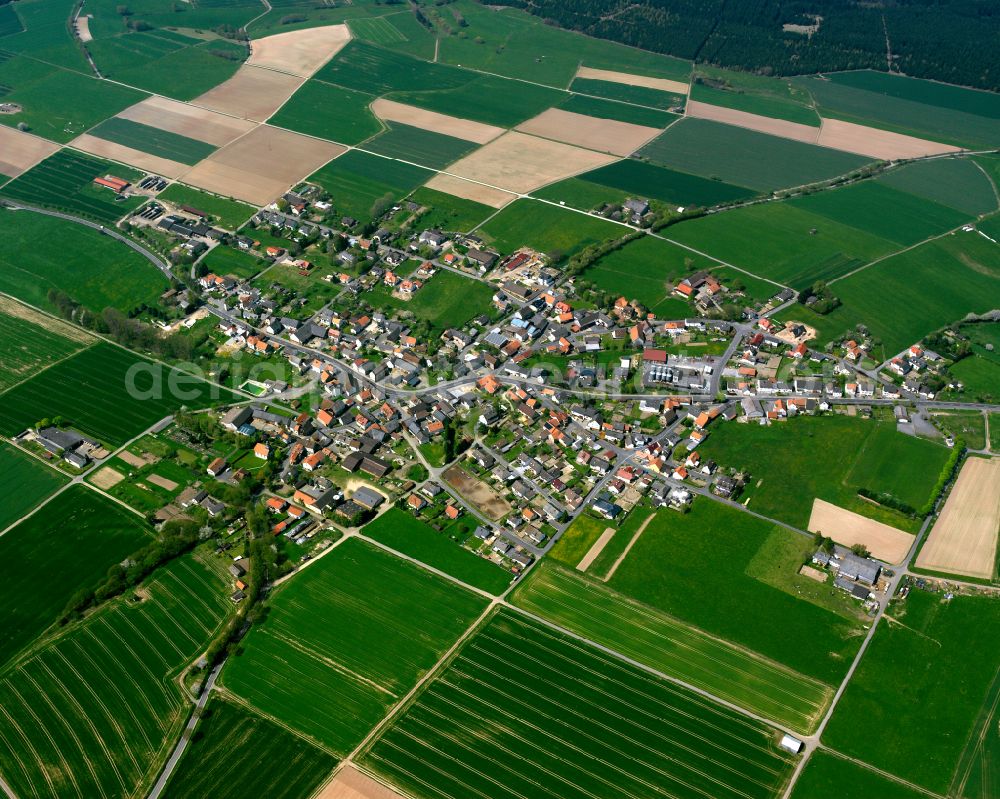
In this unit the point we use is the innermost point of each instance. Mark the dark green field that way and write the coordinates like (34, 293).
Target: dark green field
(24, 482)
(330, 112)
(158, 142)
(350, 633)
(235, 753)
(223, 211)
(917, 676)
(790, 463)
(638, 95)
(402, 532)
(955, 182)
(42, 253)
(584, 724)
(448, 212)
(623, 112)
(547, 228)
(67, 545)
(26, 347)
(424, 147)
(64, 182)
(825, 776)
(374, 70)
(116, 395)
(356, 180)
(9, 22)
(745, 157)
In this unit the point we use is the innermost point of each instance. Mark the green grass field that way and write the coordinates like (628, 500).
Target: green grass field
(970, 426)
(116, 395)
(9, 22)
(624, 93)
(448, 212)
(67, 545)
(24, 482)
(546, 228)
(979, 375)
(47, 35)
(765, 105)
(226, 212)
(623, 112)
(735, 576)
(234, 752)
(955, 182)
(825, 776)
(42, 90)
(26, 347)
(329, 112)
(152, 140)
(921, 108)
(745, 157)
(345, 640)
(424, 147)
(356, 180)
(917, 676)
(790, 463)
(65, 181)
(446, 300)
(364, 67)
(527, 711)
(642, 270)
(589, 608)
(96, 711)
(42, 253)
(402, 532)
(224, 260)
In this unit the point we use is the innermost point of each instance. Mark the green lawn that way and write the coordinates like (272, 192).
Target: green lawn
(42, 253)
(66, 546)
(329, 112)
(350, 631)
(719, 570)
(224, 260)
(790, 465)
(400, 531)
(152, 140)
(547, 228)
(577, 540)
(448, 212)
(223, 211)
(234, 752)
(825, 776)
(918, 676)
(24, 482)
(446, 300)
(589, 608)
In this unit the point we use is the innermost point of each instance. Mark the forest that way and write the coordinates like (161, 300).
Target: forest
(947, 40)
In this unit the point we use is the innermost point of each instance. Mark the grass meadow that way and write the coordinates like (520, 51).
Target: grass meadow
(95, 710)
(152, 140)
(42, 253)
(67, 545)
(329, 112)
(524, 710)
(450, 213)
(345, 640)
(624, 93)
(224, 260)
(419, 146)
(24, 482)
(64, 181)
(825, 776)
(958, 183)
(102, 404)
(735, 576)
(765, 105)
(356, 180)
(446, 300)
(609, 109)
(917, 676)
(226, 212)
(589, 608)
(235, 753)
(548, 228)
(26, 347)
(403, 533)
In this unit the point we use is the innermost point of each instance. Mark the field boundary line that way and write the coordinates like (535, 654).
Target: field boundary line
(882, 772)
(46, 368)
(628, 548)
(993, 183)
(881, 258)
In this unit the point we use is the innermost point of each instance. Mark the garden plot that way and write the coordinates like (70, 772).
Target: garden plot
(470, 190)
(262, 165)
(519, 163)
(964, 537)
(252, 93)
(874, 143)
(20, 151)
(187, 120)
(848, 528)
(627, 78)
(762, 124)
(594, 133)
(299, 52)
(467, 129)
(129, 155)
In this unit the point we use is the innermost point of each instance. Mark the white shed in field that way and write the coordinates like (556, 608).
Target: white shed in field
(792, 744)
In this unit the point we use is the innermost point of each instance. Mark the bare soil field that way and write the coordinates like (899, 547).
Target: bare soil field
(762, 124)
(129, 155)
(162, 482)
(52, 324)
(478, 493)
(252, 93)
(663, 84)
(876, 143)
(262, 165)
(20, 151)
(848, 528)
(605, 135)
(352, 784)
(467, 190)
(107, 478)
(83, 28)
(521, 163)
(596, 549)
(964, 537)
(299, 52)
(186, 120)
(467, 129)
